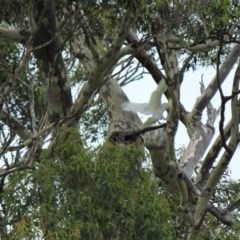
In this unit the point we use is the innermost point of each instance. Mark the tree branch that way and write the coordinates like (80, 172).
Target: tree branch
(212, 88)
(47, 50)
(222, 215)
(101, 68)
(18, 36)
(15, 125)
(212, 156)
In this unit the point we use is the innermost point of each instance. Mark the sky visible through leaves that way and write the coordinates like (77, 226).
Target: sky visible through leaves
(140, 91)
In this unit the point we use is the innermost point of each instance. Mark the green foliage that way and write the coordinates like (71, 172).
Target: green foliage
(94, 123)
(77, 194)
(13, 11)
(8, 56)
(73, 192)
(17, 101)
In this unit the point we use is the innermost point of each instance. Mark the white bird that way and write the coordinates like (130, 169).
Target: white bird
(155, 107)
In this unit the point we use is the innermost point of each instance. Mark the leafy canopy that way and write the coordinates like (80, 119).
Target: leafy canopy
(74, 194)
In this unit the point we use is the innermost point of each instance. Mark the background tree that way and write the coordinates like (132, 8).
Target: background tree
(73, 163)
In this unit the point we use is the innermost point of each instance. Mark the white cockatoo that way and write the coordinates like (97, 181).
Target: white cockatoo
(155, 107)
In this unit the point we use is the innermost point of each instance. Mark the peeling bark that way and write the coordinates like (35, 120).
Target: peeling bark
(200, 140)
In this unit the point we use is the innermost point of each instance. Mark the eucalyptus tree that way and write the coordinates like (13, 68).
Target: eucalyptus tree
(63, 65)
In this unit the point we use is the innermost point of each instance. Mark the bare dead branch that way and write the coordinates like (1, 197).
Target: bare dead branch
(212, 113)
(212, 88)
